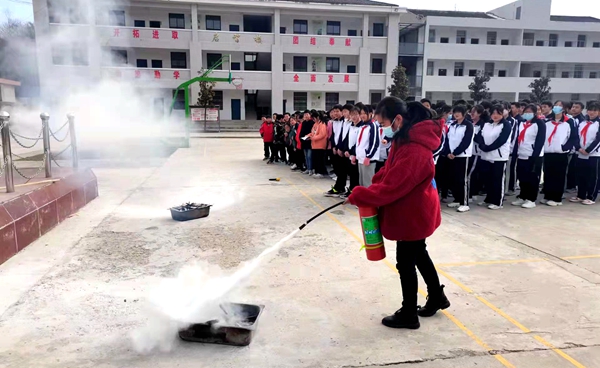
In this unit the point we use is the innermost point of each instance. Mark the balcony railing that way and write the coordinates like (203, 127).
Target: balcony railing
(410, 48)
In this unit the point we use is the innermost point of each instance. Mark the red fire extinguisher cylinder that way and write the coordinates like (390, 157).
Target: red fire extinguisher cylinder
(373, 239)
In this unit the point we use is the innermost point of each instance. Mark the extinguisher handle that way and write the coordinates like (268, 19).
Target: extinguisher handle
(320, 213)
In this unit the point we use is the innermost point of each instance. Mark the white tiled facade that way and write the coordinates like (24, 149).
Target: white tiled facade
(117, 42)
(525, 48)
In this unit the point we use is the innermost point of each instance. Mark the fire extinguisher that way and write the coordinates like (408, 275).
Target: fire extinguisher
(374, 245)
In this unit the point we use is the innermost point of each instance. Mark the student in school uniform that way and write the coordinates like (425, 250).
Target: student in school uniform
(494, 147)
(336, 122)
(318, 140)
(546, 109)
(476, 180)
(578, 119)
(561, 137)
(443, 164)
(300, 159)
(588, 161)
(367, 147)
(529, 149)
(426, 102)
(339, 142)
(306, 130)
(384, 149)
(350, 148)
(460, 148)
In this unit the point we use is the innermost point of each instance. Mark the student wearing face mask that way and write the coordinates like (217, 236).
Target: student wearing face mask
(588, 162)
(476, 181)
(529, 149)
(578, 119)
(460, 148)
(561, 137)
(404, 194)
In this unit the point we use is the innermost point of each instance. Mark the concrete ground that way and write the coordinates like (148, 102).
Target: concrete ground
(523, 283)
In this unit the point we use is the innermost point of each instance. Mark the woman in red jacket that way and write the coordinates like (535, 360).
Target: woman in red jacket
(404, 191)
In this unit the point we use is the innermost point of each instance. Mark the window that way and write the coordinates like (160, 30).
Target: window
(432, 35)
(236, 28)
(565, 75)
(331, 99)
(352, 32)
(430, 68)
(528, 39)
(213, 23)
(568, 44)
(472, 72)
(489, 69)
(334, 28)
(139, 23)
(250, 61)
(178, 60)
(575, 97)
(518, 15)
(551, 70)
(300, 26)
(142, 63)
(504, 42)
(350, 102)
(459, 69)
(502, 73)
(581, 41)
(442, 72)
(238, 66)
(537, 73)
(539, 43)
(596, 45)
(212, 60)
(157, 64)
(378, 29)
(283, 67)
(119, 57)
(218, 99)
(578, 73)
(282, 30)
(332, 65)
(461, 37)
(179, 99)
(154, 24)
(456, 96)
(444, 40)
(491, 38)
(176, 21)
(80, 54)
(350, 69)
(300, 64)
(474, 41)
(375, 97)
(117, 18)
(377, 66)
(593, 75)
(553, 40)
(300, 101)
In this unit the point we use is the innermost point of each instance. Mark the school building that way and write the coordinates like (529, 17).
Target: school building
(289, 55)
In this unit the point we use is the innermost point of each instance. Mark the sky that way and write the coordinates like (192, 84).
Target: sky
(22, 9)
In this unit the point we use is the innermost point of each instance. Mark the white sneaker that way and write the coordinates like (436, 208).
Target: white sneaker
(510, 193)
(588, 202)
(317, 176)
(518, 202)
(311, 173)
(333, 177)
(483, 204)
(294, 167)
(544, 201)
(453, 205)
(494, 207)
(305, 172)
(554, 204)
(463, 209)
(576, 200)
(528, 204)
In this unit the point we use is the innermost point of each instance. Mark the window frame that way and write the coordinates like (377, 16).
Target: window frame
(373, 61)
(378, 27)
(154, 22)
(431, 37)
(442, 74)
(528, 41)
(430, 68)
(300, 58)
(459, 69)
(505, 42)
(553, 41)
(330, 64)
(212, 56)
(568, 43)
(234, 28)
(177, 62)
(502, 73)
(461, 36)
(565, 72)
(218, 97)
(176, 21)
(301, 24)
(154, 62)
(352, 33)
(581, 43)
(117, 18)
(444, 40)
(330, 102)
(348, 69)
(472, 72)
(144, 61)
(333, 24)
(476, 41)
(494, 39)
(138, 23)
(213, 20)
(300, 97)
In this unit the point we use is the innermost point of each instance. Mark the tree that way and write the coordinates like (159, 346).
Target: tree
(206, 95)
(400, 85)
(540, 90)
(479, 89)
(18, 59)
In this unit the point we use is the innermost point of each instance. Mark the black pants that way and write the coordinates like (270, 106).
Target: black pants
(588, 172)
(411, 254)
(281, 155)
(267, 147)
(528, 174)
(495, 176)
(443, 175)
(555, 175)
(379, 165)
(512, 173)
(572, 172)
(291, 152)
(475, 178)
(341, 170)
(300, 159)
(353, 174)
(318, 161)
(459, 180)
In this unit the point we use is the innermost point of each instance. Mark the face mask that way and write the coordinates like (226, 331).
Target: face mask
(557, 109)
(388, 131)
(528, 116)
(449, 116)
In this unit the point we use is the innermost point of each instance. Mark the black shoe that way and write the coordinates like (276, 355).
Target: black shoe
(346, 194)
(434, 303)
(332, 193)
(265, 159)
(402, 319)
(269, 162)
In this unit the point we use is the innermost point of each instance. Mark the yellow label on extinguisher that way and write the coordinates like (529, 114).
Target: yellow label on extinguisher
(371, 231)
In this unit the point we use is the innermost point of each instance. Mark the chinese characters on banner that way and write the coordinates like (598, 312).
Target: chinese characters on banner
(313, 78)
(138, 74)
(176, 74)
(346, 78)
(117, 32)
(136, 33)
(157, 74)
(296, 78)
(331, 41)
(155, 34)
(175, 35)
(313, 41)
(295, 40)
(330, 79)
(348, 42)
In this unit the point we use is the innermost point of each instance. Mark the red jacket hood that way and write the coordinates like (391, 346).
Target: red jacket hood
(426, 133)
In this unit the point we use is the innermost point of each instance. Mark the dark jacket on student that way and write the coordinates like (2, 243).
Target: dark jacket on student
(307, 126)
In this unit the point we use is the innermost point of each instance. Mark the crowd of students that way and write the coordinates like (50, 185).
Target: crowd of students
(489, 150)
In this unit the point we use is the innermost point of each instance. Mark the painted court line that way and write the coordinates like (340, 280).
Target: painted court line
(561, 353)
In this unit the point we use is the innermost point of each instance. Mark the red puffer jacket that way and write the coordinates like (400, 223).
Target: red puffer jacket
(403, 190)
(267, 131)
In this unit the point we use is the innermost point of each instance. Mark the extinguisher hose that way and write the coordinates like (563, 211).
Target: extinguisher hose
(319, 214)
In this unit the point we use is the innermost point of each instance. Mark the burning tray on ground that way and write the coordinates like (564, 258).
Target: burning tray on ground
(237, 334)
(190, 211)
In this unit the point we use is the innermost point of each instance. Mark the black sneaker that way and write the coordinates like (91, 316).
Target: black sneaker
(265, 159)
(435, 303)
(332, 193)
(402, 319)
(345, 195)
(269, 162)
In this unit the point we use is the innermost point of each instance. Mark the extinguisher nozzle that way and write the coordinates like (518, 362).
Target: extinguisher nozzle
(275, 179)
(302, 227)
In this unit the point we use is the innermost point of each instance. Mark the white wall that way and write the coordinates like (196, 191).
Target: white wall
(228, 95)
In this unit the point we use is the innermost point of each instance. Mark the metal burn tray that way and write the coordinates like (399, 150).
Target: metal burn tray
(190, 211)
(239, 334)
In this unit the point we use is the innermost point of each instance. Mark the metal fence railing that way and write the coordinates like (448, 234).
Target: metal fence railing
(9, 168)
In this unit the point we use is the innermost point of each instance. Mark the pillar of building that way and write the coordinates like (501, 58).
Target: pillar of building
(195, 53)
(364, 64)
(277, 67)
(393, 40)
(94, 47)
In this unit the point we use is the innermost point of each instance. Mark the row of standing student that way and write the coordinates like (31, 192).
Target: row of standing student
(491, 147)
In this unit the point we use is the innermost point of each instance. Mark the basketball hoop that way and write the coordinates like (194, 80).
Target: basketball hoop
(238, 83)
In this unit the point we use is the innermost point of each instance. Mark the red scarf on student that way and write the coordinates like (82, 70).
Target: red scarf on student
(585, 130)
(564, 119)
(526, 126)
